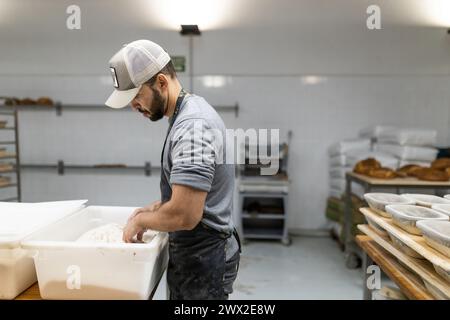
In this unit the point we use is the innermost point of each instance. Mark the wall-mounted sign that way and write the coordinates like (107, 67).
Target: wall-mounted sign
(179, 62)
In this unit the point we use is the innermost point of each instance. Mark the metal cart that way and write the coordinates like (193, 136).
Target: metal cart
(263, 200)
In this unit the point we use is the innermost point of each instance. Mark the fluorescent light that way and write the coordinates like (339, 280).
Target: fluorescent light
(207, 14)
(437, 12)
(312, 80)
(215, 81)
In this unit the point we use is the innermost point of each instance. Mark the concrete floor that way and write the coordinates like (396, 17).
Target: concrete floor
(311, 268)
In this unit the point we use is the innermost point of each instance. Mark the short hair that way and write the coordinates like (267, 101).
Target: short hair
(168, 70)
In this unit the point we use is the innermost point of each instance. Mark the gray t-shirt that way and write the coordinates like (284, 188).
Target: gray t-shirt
(194, 156)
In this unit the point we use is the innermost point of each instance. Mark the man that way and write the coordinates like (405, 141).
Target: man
(196, 184)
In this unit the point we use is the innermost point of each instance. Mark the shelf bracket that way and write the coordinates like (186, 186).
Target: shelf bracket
(58, 108)
(148, 169)
(61, 167)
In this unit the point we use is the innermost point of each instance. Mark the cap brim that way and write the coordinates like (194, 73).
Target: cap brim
(121, 98)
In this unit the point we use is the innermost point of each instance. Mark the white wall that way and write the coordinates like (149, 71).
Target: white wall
(399, 75)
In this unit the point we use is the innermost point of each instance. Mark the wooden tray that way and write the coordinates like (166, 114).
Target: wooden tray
(409, 282)
(416, 243)
(423, 268)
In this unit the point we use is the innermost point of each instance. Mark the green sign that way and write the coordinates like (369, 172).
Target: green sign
(179, 62)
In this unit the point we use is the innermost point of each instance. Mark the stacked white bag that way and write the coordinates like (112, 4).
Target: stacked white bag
(343, 157)
(410, 146)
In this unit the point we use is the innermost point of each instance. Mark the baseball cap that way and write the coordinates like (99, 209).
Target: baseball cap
(131, 67)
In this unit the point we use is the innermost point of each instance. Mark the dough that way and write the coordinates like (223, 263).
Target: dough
(111, 233)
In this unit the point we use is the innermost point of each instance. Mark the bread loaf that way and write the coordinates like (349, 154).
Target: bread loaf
(382, 173)
(441, 163)
(409, 170)
(44, 101)
(364, 166)
(430, 174)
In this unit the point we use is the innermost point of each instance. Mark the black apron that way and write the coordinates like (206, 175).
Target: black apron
(197, 258)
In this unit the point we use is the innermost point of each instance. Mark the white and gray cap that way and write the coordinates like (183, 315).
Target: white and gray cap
(131, 67)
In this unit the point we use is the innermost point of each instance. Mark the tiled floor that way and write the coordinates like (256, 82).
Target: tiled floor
(311, 268)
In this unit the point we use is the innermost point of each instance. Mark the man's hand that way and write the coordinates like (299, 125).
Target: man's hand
(134, 228)
(182, 212)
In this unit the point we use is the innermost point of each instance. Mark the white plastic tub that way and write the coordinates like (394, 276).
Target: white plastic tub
(425, 200)
(376, 227)
(437, 236)
(403, 247)
(67, 269)
(442, 208)
(404, 136)
(406, 216)
(379, 201)
(18, 220)
(408, 152)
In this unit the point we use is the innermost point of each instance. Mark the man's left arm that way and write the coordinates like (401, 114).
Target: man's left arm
(182, 212)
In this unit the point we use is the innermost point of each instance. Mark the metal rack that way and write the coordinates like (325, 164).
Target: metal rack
(60, 107)
(353, 253)
(263, 200)
(61, 167)
(11, 156)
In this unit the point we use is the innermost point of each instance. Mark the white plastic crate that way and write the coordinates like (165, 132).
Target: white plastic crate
(67, 269)
(18, 220)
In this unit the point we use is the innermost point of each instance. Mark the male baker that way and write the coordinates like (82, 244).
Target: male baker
(196, 182)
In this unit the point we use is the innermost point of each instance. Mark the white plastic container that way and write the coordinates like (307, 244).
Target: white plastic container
(18, 220)
(376, 227)
(339, 172)
(68, 269)
(437, 236)
(379, 201)
(403, 247)
(406, 216)
(442, 208)
(403, 136)
(408, 152)
(425, 200)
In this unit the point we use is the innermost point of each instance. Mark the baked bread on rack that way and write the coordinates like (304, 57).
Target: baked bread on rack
(382, 173)
(409, 170)
(44, 101)
(441, 163)
(364, 166)
(430, 174)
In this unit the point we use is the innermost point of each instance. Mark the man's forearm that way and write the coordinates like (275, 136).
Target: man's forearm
(165, 218)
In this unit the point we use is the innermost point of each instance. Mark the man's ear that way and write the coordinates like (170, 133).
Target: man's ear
(163, 81)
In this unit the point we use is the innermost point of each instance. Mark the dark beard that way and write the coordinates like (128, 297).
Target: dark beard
(157, 107)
